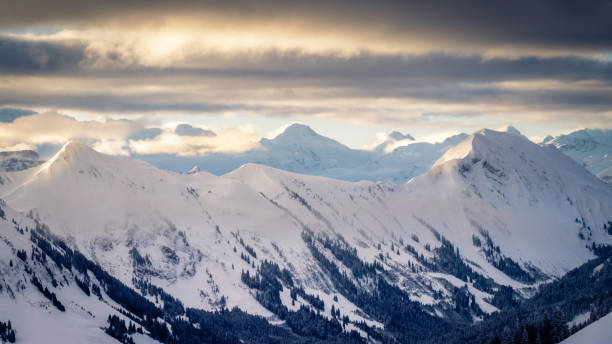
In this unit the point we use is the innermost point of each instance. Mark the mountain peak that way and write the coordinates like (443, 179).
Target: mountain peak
(512, 130)
(303, 136)
(298, 129)
(73, 152)
(482, 143)
(75, 147)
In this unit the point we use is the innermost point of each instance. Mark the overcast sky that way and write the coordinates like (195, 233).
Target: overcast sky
(125, 74)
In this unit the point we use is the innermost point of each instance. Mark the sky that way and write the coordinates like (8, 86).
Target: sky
(197, 77)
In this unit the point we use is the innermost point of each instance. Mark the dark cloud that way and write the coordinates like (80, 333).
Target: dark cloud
(542, 24)
(68, 59)
(146, 134)
(436, 115)
(27, 57)
(189, 130)
(8, 115)
(261, 83)
(103, 102)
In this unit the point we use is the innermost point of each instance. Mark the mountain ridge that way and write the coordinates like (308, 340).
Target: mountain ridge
(591, 148)
(450, 232)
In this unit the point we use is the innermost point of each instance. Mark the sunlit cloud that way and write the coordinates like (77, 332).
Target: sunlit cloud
(178, 30)
(387, 64)
(112, 146)
(123, 137)
(230, 140)
(54, 128)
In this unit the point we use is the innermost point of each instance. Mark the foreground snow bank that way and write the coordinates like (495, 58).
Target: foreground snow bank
(599, 332)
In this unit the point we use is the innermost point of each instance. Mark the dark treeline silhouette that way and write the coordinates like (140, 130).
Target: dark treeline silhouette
(268, 283)
(543, 318)
(7, 333)
(172, 323)
(404, 320)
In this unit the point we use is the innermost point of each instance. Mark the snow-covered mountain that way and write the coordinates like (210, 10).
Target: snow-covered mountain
(300, 149)
(494, 210)
(414, 159)
(592, 148)
(74, 317)
(18, 160)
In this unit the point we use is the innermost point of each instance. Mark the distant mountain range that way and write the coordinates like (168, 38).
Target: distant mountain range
(399, 158)
(592, 148)
(300, 149)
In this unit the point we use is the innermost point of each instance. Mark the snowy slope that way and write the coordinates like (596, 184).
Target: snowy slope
(592, 148)
(599, 332)
(412, 159)
(32, 315)
(532, 193)
(606, 175)
(521, 199)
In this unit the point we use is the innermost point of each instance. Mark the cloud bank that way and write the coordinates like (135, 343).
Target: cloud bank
(436, 64)
(121, 137)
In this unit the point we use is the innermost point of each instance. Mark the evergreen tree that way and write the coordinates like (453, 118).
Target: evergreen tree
(11, 336)
(524, 336)
(538, 339)
(559, 330)
(507, 337)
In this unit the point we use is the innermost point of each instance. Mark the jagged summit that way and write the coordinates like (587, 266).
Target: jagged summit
(484, 142)
(501, 166)
(299, 129)
(295, 132)
(76, 147)
(305, 137)
(74, 152)
(512, 130)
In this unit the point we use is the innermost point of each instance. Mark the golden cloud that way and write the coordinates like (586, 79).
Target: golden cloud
(234, 139)
(54, 128)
